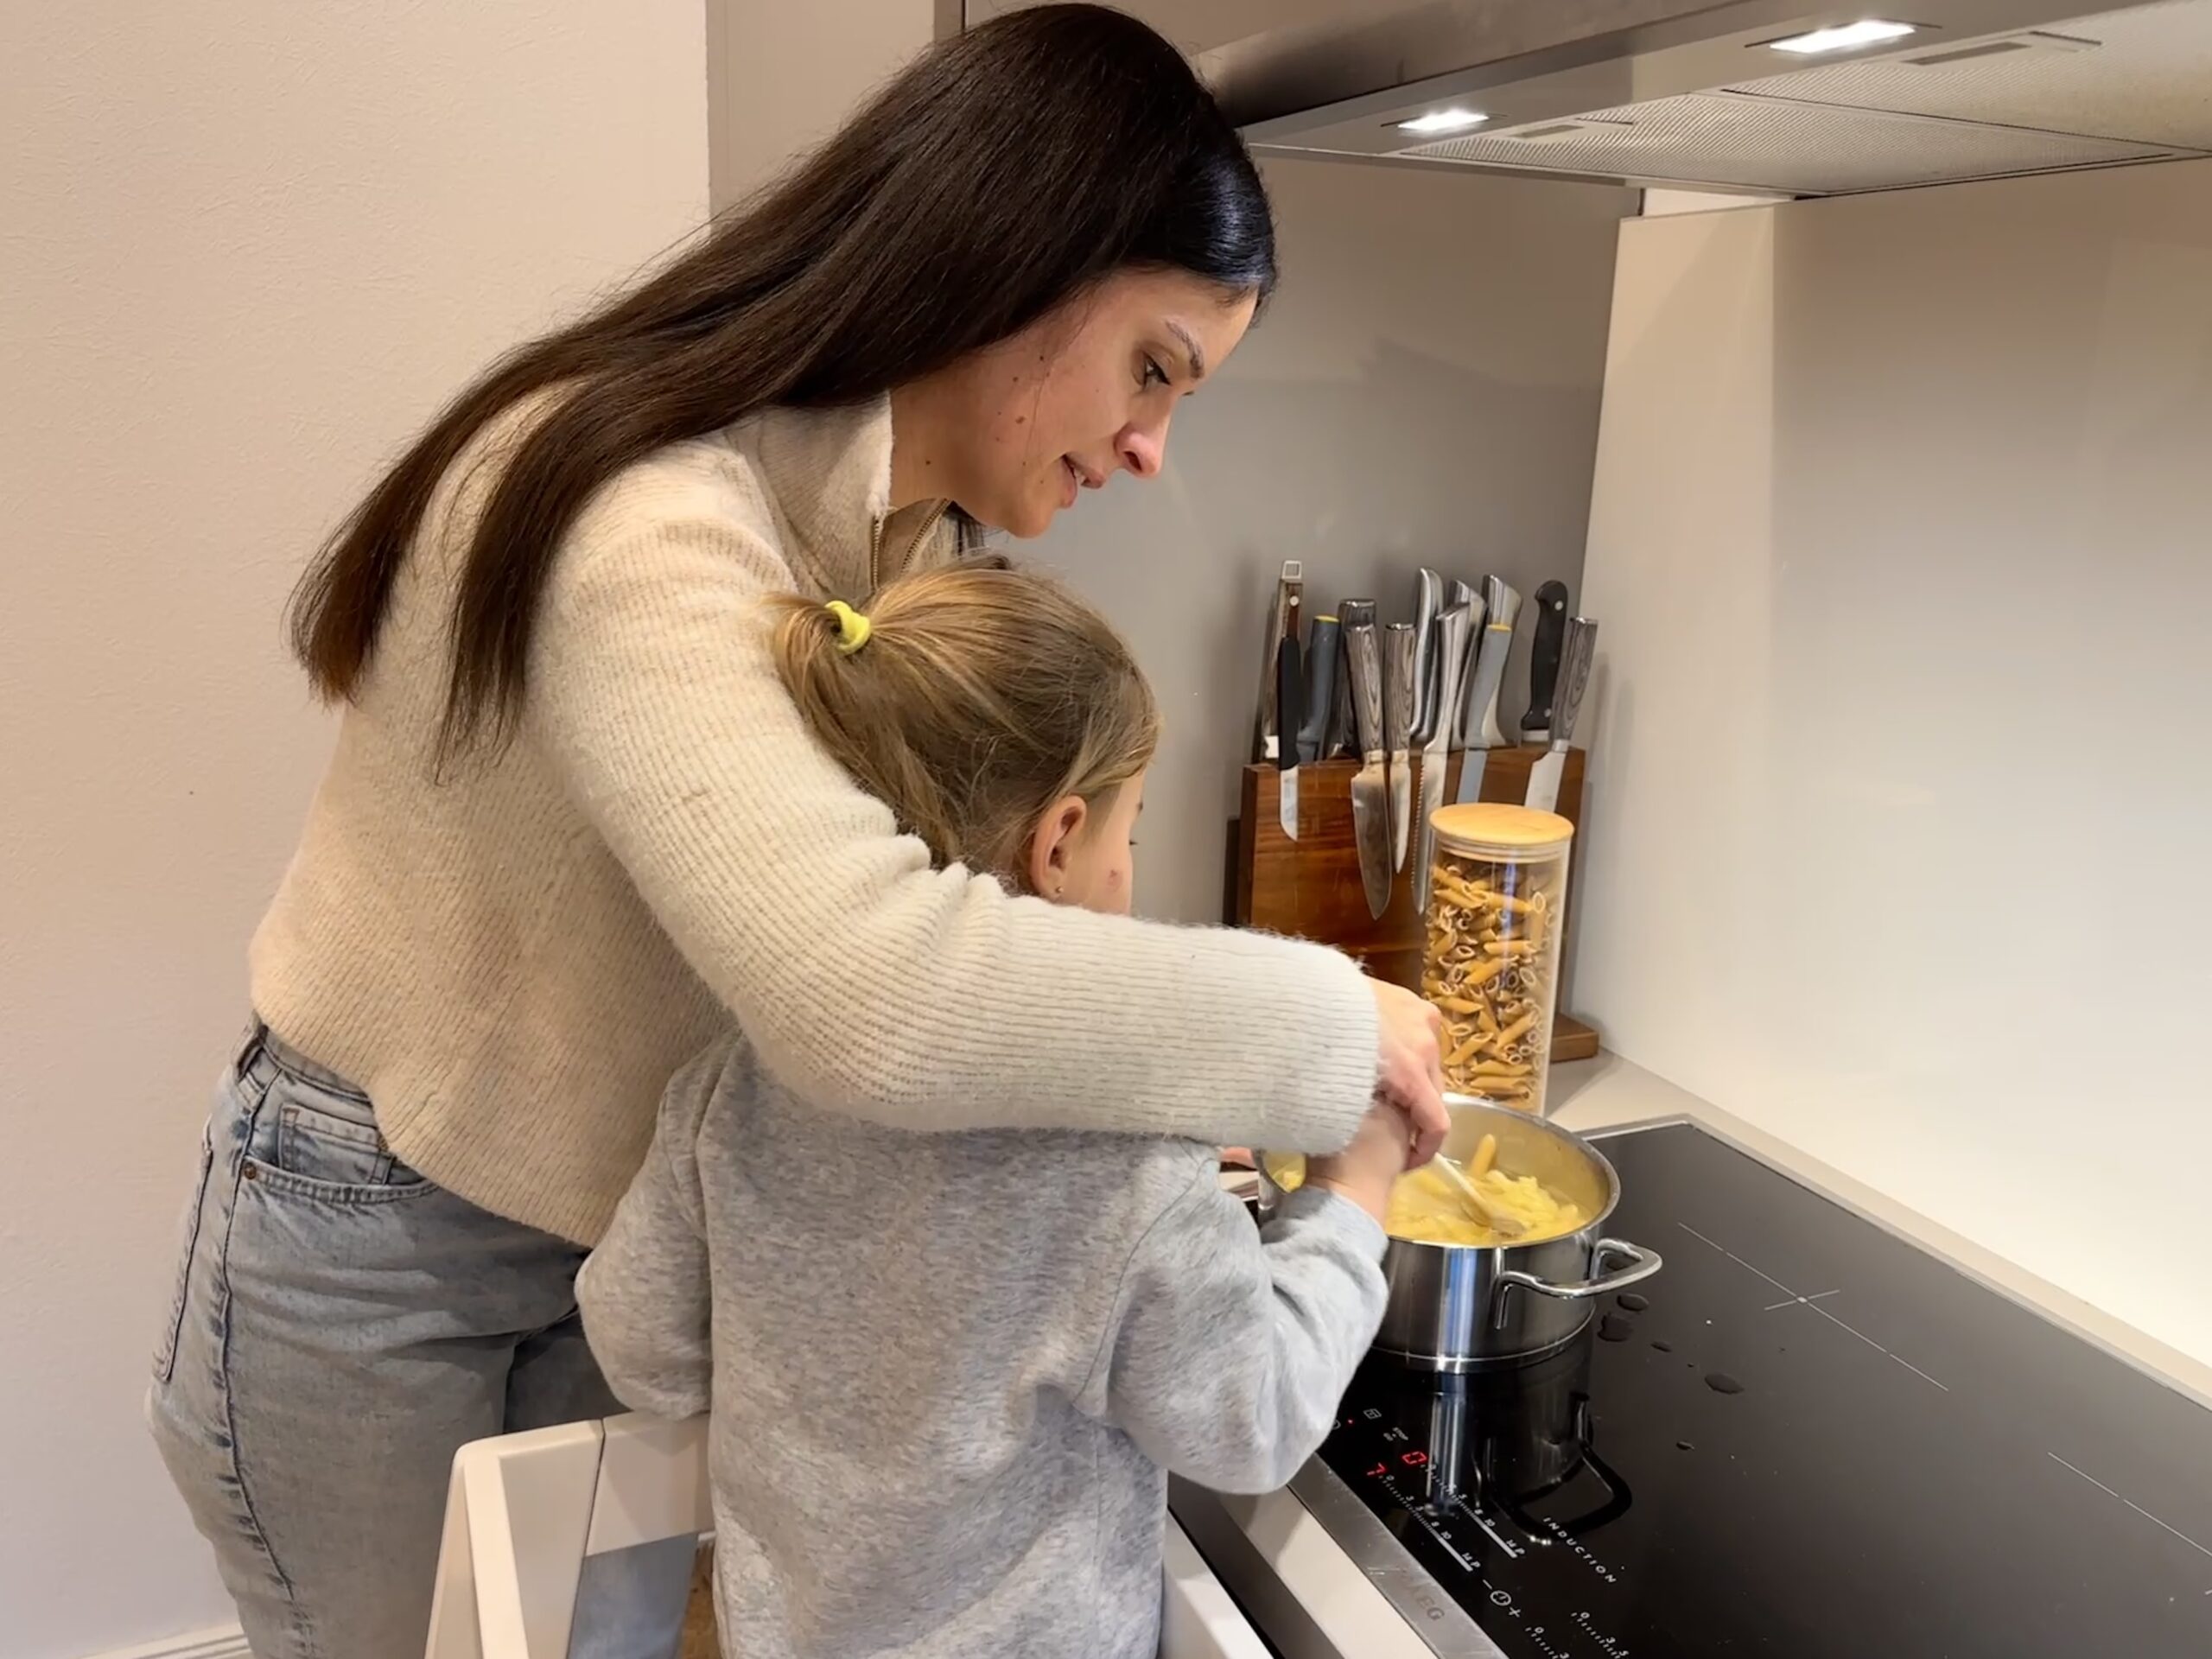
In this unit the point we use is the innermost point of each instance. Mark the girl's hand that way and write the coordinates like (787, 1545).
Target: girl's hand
(1365, 1171)
(1409, 1066)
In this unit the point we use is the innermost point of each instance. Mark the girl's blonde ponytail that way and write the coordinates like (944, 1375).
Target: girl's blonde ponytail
(977, 697)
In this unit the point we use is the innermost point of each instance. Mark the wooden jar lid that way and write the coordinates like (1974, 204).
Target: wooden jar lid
(1492, 830)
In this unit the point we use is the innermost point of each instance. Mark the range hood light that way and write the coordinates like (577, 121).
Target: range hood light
(1440, 121)
(1837, 97)
(1845, 37)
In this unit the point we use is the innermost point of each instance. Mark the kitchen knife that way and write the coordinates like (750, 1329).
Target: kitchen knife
(1502, 605)
(1319, 662)
(1290, 711)
(1400, 654)
(1344, 731)
(1578, 651)
(1281, 619)
(1550, 602)
(1428, 602)
(1454, 629)
(1371, 786)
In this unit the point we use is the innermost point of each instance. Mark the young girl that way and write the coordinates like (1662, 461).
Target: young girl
(947, 1372)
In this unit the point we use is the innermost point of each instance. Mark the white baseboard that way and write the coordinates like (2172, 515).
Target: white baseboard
(224, 1641)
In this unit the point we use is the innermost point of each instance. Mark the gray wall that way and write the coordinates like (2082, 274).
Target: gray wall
(782, 78)
(1194, 25)
(1423, 390)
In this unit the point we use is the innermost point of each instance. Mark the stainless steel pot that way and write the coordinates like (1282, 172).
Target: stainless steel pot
(1510, 1436)
(1458, 1307)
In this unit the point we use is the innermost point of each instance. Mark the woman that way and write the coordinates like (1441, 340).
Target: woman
(574, 824)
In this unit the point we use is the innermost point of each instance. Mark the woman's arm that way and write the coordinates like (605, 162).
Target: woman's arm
(867, 982)
(1232, 1347)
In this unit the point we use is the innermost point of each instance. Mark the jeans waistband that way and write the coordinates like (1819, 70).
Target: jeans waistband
(264, 1047)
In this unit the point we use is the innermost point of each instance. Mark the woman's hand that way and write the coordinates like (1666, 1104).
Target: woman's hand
(1409, 1066)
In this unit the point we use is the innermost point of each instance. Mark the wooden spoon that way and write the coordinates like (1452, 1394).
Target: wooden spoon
(1503, 1226)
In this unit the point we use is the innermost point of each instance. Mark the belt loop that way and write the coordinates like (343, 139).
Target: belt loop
(256, 1038)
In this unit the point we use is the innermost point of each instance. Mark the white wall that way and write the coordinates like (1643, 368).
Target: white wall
(1899, 848)
(245, 250)
(1423, 389)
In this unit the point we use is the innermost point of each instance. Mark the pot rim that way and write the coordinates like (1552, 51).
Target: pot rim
(1585, 1233)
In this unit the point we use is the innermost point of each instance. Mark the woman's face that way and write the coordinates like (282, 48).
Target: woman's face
(1011, 433)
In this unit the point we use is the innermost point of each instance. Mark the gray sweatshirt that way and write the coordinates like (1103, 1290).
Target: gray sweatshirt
(947, 1372)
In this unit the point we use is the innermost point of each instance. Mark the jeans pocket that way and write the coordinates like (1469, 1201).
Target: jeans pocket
(327, 1146)
(189, 1246)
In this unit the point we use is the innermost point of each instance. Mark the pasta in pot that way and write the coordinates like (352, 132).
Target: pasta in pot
(1427, 1208)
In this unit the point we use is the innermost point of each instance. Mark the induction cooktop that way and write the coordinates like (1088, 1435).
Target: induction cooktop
(1805, 1437)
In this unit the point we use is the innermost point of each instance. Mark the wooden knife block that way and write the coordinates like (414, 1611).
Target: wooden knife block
(1310, 888)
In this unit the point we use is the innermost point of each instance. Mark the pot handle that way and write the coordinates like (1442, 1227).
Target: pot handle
(1642, 1264)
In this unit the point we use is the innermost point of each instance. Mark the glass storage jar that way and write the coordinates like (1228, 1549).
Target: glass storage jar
(1496, 915)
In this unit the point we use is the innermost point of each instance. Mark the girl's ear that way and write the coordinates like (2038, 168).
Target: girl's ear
(1051, 845)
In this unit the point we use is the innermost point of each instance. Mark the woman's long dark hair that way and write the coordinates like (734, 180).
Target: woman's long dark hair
(998, 175)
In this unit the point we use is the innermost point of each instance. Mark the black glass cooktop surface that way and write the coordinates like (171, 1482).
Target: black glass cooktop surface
(1803, 1437)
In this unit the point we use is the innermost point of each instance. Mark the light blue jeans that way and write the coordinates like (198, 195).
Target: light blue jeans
(339, 1328)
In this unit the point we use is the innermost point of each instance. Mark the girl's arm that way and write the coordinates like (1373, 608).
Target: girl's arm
(644, 1292)
(1231, 1346)
(868, 981)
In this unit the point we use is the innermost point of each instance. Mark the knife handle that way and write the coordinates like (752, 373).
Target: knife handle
(1363, 657)
(1578, 655)
(1454, 640)
(1502, 605)
(1429, 601)
(1543, 659)
(1343, 733)
(1290, 703)
(1322, 650)
(1282, 618)
(1400, 647)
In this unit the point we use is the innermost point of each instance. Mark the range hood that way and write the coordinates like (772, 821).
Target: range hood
(1660, 92)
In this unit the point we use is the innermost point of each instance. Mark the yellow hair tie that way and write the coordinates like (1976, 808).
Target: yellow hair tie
(853, 628)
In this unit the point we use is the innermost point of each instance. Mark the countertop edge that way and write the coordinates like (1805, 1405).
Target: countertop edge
(1610, 1093)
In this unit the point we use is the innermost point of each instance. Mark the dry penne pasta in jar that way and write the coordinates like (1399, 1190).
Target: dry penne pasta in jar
(1496, 909)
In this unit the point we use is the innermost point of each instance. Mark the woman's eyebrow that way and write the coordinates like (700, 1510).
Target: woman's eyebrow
(1190, 349)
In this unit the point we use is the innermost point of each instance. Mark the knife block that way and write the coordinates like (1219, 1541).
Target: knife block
(1310, 888)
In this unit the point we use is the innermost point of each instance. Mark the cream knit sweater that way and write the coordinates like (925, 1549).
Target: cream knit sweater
(513, 961)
